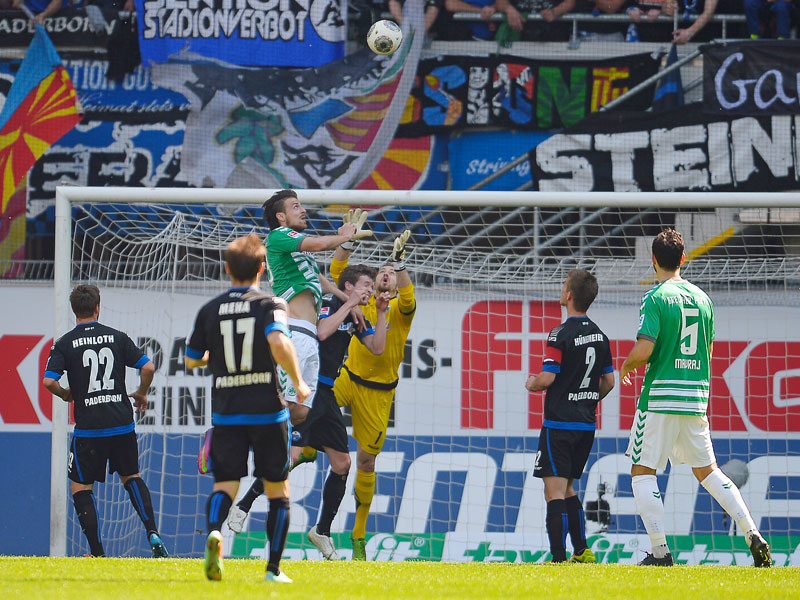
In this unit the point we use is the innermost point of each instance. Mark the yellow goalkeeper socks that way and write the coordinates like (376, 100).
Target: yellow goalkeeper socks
(364, 490)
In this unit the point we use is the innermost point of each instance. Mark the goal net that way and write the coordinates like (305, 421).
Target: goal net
(454, 480)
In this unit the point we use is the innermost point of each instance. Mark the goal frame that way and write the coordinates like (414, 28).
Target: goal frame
(66, 196)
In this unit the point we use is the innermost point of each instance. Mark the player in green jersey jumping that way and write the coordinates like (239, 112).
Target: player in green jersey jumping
(675, 339)
(294, 275)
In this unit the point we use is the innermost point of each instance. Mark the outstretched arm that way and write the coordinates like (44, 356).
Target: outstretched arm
(318, 243)
(405, 289)
(339, 263)
(356, 217)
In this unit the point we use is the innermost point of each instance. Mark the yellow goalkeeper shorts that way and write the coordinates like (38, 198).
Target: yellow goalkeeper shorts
(371, 409)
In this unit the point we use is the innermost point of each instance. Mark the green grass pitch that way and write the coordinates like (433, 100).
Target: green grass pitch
(31, 578)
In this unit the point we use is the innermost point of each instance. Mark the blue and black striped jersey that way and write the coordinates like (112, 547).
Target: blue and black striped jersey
(233, 327)
(94, 357)
(578, 353)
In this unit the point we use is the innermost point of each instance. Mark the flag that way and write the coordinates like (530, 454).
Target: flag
(322, 127)
(40, 108)
(12, 233)
(669, 91)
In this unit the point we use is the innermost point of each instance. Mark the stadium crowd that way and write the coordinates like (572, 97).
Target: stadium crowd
(507, 21)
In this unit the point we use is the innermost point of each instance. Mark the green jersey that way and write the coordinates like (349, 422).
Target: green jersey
(291, 271)
(678, 317)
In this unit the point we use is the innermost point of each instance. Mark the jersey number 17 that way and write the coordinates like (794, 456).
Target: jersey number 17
(246, 327)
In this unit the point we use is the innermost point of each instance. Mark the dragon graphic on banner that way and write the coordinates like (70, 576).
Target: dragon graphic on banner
(323, 127)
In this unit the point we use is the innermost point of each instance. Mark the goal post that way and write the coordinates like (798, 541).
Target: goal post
(487, 268)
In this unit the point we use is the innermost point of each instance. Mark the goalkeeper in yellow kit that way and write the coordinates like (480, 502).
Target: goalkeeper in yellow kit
(367, 381)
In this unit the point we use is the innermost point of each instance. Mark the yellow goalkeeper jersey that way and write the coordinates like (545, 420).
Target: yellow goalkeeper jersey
(383, 367)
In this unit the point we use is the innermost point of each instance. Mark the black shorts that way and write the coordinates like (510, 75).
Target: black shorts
(327, 428)
(563, 453)
(230, 445)
(324, 426)
(88, 457)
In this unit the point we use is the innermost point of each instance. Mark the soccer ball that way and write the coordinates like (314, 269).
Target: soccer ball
(384, 37)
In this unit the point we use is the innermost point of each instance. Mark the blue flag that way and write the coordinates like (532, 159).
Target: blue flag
(669, 91)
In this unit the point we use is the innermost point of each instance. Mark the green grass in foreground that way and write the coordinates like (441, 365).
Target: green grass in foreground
(175, 579)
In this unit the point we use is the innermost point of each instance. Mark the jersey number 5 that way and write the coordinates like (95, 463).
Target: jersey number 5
(93, 360)
(246, 327)
(689, 330)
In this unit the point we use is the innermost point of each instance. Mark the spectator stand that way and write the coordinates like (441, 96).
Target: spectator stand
(665, 24)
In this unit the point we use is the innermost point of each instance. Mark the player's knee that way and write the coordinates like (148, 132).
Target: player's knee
(76, 487)
(340, 463)
(276, 489)
(641, 470)
(366, 463)
(702, 472)
(298, 413)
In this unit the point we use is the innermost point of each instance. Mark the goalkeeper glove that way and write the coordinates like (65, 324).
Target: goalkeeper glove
(399, 251)
(357, 217)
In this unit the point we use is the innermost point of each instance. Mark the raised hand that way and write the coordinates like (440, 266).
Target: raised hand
(358, 318)
(382, 301)
(357, 218)
(399, 247)
(347, 229)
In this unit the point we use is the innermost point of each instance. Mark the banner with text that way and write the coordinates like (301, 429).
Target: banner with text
(132, 133)
(66, 28)
(110, 152)
(325, 127)
(493, 547)
(518, 93)
(752, 78)
(135, 96)
(474, 155)
(683, 149)
(295, 33)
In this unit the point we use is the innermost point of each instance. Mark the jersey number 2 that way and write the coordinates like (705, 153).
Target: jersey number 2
(93, 360)
(590, 358)
(246, 327)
